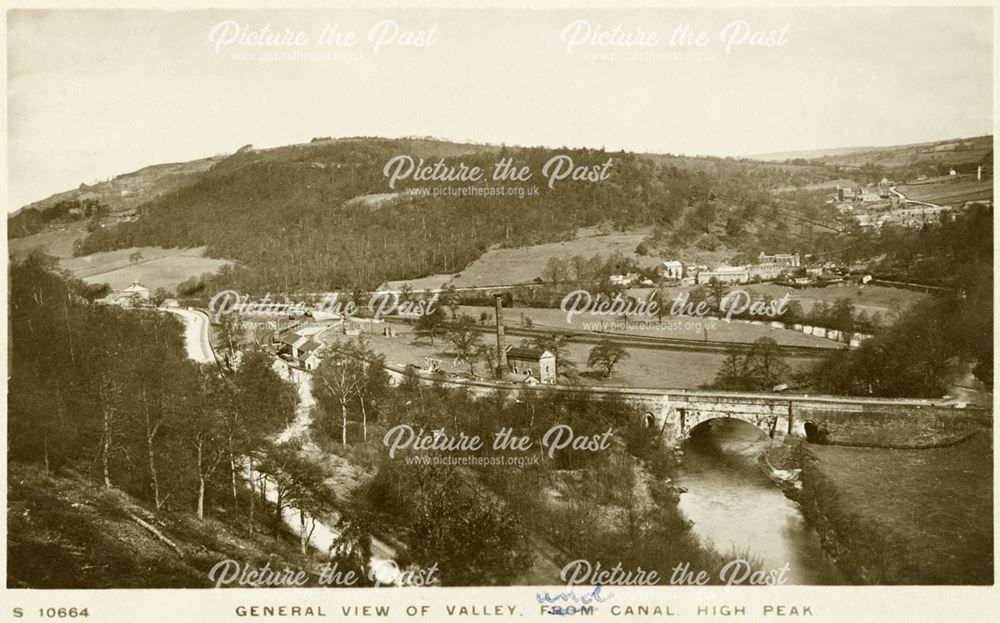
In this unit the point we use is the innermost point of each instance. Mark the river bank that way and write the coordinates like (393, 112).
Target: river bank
(889, 516)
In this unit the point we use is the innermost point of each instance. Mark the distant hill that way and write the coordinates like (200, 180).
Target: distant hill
(129, 190)
(807, 154)
(957, 153)
(302, 216)
(319, 215)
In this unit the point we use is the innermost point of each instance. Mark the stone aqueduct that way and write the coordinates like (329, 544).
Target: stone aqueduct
(671, 414)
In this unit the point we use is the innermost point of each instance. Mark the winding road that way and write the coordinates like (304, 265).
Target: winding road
(903, 199)
(199, 347)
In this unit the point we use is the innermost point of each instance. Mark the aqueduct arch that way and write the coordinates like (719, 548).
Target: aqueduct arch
(765, 425)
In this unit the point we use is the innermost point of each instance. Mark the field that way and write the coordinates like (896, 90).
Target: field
(951, 152)
(928, 512)
(524, 264)
(643, 368)
(951, 190)
(57, 243)
(159, 268)
(680, 327)
(869, 299)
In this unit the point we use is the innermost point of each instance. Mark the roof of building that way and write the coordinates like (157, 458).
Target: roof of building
(724, 270)
(114, 297)
(293, 339)
(310, 346)
(136, 287)
(526, 354)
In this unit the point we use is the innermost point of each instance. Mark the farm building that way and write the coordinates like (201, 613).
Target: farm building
(132, 296)
(870, 196)
(540, 365)
(300, 349)
(309, 354)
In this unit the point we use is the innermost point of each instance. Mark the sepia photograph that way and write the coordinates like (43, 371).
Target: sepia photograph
(457, 312)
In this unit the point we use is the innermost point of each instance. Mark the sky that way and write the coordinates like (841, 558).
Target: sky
(93, 94)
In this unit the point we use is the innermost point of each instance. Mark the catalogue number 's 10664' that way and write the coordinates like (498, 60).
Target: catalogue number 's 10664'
(55, 613)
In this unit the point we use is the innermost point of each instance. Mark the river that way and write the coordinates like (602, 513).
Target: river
(738, 509)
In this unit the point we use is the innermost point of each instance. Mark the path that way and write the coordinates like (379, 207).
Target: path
(199, 348)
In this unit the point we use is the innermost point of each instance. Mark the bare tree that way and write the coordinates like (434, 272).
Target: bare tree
(466, 341)
(342, 375)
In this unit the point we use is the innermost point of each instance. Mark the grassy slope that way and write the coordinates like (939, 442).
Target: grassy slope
(49, 241)
(160, 267)
(68, 532)
(504, 266)
(952, 151)
(910, 516)
(952, 190)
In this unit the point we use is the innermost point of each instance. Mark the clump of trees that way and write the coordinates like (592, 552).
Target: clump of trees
(350, 386)
(915, 355)
(480, 521)
(32, 220)
(932, 340)
(606, 356)
(761, 368)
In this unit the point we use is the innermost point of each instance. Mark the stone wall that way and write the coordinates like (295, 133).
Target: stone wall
(888, 425)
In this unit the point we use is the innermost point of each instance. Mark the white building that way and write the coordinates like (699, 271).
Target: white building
(301, 349)
(785, 259)
(766, 272)
(623, 280)
(540, 365)
(132, 296)
(137, 290)
(725, 274)
(672, 269)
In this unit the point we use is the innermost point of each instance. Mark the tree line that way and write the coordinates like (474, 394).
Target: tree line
(111, 393)
(32, 220)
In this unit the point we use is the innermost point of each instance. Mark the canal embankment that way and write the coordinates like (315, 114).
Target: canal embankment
(900, 516)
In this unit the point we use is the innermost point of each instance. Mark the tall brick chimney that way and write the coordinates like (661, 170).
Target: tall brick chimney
(501, 346)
